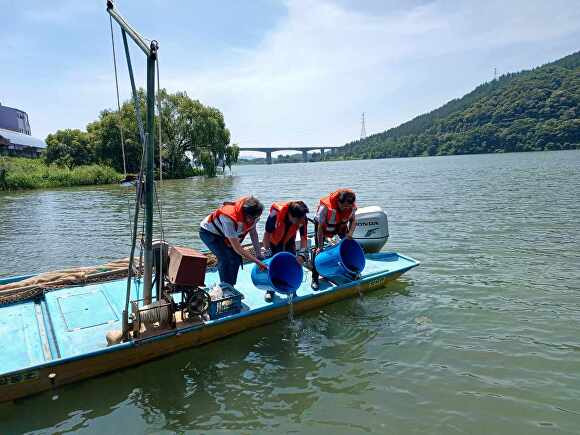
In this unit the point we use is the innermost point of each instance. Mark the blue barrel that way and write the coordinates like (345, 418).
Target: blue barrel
(284, 274)
(345, 260)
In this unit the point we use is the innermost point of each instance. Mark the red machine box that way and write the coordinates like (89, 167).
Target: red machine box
(186, 266)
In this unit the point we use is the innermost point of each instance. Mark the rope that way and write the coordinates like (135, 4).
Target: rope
(118, 99)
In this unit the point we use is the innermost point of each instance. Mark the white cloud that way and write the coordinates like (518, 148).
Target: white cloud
(310, 78)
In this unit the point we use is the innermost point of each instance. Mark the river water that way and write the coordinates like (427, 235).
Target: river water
(482, 338)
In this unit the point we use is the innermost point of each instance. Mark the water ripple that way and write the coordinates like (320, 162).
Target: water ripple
(482, 337)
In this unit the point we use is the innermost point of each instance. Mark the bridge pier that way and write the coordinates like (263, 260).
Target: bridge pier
(321, 154)
(305, 156)
(269, 157)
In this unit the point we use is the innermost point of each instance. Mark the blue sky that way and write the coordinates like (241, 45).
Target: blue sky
(282, 72)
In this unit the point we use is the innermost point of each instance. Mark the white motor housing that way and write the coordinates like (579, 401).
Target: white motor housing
(372, 228)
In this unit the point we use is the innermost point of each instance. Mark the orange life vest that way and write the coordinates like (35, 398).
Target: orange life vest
(283, 233)
(335, 218)
(234, 211)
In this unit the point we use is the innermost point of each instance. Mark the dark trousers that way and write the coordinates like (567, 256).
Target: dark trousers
(229, 261)
(290, 246)
(341, 231)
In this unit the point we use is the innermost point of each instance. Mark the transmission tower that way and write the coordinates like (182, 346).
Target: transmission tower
(363, 129)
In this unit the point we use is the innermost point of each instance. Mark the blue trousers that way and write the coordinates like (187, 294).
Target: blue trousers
(229, 261)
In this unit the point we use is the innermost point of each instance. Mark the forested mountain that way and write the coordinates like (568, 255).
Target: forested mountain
(526, 111)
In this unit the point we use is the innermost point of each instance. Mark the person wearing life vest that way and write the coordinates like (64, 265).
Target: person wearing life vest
(224, 230)
(284, 222)
(335, 217)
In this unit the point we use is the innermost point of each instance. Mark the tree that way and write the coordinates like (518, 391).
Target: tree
(69, 148)
(106, 136)
(232, 155)
(207, 160)
(187, 126)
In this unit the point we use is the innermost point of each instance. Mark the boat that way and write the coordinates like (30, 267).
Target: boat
(59, 337)
(63, 328)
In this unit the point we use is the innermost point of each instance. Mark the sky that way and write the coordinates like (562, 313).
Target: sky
(284, 73)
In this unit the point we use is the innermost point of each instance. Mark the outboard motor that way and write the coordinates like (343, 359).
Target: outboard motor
(372, 228)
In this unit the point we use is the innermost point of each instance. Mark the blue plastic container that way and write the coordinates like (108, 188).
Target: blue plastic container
(230, 303)
(345, 260)
(284, 274)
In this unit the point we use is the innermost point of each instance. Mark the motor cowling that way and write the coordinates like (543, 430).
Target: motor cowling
(372, 228)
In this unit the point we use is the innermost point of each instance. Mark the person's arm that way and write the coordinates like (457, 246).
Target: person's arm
(266, 240)
(351, 226)
(256, 242)
(229, 231)
(321, 217)
(302, 254)
(270, 227)
(304, 235)
(320, 237)
(236, 246)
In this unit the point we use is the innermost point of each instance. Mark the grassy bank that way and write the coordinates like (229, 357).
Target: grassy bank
(18, 173)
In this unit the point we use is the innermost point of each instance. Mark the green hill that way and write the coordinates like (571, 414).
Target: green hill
(527, 111)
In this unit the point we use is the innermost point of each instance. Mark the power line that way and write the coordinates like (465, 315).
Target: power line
(363, 129)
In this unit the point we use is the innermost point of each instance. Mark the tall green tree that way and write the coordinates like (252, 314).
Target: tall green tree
(187, 127)
(69, 148)
(232, 155)
(106, 136)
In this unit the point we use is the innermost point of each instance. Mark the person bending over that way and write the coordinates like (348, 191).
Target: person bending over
(335, 217)
(284, 222)
(224, 230)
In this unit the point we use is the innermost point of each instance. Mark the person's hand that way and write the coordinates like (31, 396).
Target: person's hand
(349, 236)
(263, 266)
(318, 250)
(300, 260)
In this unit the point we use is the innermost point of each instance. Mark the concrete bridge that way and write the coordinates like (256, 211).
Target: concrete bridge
(304, 150)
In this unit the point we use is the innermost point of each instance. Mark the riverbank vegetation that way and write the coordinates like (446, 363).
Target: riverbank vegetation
(532, 110)
(194, 140)
(191, 133)
(18, 173)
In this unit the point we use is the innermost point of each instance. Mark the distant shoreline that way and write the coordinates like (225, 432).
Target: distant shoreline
(347, 159)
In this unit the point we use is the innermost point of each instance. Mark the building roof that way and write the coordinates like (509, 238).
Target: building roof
(22, 139)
